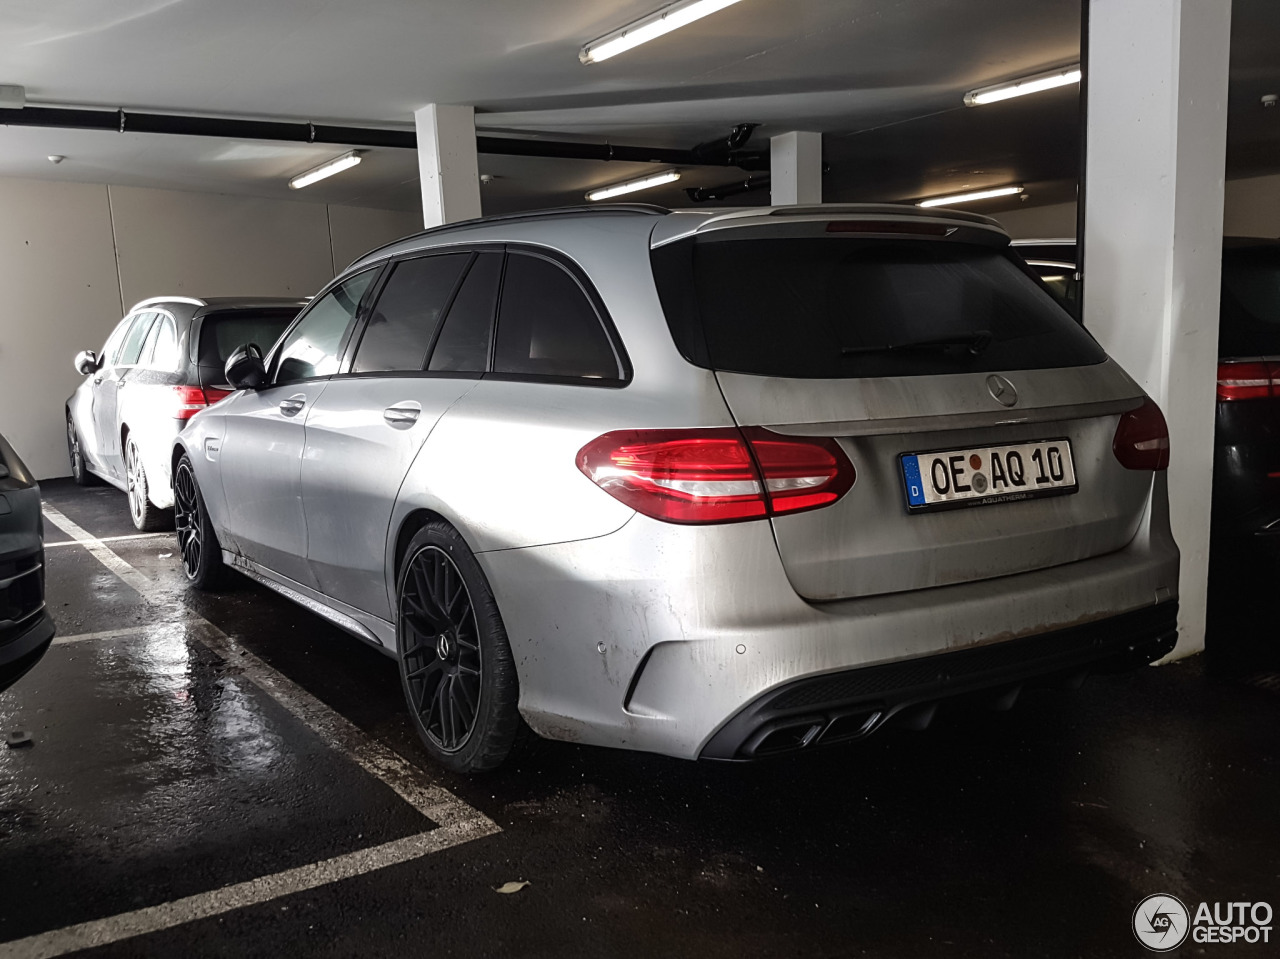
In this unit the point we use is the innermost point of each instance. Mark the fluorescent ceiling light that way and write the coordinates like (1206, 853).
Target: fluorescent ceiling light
(967, 197)
(1018, 88)
(608, 192)
(671, 17)
(344, 162)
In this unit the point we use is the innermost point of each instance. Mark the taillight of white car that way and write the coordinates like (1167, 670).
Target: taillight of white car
(190, 400)
(717, 475)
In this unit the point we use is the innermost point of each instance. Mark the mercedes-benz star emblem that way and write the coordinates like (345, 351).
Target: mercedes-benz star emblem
(1002, 391)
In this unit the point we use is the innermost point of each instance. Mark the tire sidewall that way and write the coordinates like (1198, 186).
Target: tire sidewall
(497, 717)
(208, 572)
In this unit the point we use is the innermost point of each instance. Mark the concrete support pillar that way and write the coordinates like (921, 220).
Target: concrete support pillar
(1156, 126)
(447, 163)
(795, 162)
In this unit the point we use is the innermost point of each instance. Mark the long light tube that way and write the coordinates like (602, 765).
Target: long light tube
(968, 197)
(630, 186)
(1018, 88)
(344, 162)
(671, 17)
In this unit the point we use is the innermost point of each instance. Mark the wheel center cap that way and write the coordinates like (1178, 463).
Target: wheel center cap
(443, 646)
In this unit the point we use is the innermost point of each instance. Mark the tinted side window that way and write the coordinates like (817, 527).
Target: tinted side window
(407, 313)
(311, 348)
(133, 341)
(464, 340)
(547, 326)
(111, 349)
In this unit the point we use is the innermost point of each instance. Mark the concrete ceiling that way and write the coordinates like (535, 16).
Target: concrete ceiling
(882, 79)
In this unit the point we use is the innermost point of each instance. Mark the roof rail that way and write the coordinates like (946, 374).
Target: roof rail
(152, 300)
(648, 209)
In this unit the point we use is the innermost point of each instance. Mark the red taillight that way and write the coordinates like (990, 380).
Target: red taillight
(190, 400)
(1142, 438)
(716, 475)
(1248, 379)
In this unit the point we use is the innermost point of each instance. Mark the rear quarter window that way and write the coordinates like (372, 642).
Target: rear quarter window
(848, 307)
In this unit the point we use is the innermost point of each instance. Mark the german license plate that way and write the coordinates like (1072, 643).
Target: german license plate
(995, 474)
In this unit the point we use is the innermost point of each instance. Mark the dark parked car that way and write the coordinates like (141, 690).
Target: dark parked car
(26, 629)
(1245, 531)
(162, 363)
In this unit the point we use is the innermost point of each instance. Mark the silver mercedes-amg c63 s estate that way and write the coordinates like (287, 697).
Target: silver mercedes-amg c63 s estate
(715, 484)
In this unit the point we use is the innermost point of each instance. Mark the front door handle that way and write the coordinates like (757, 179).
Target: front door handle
(293, 405)
(402, 414)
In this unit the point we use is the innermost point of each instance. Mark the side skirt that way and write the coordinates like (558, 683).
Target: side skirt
(376, 632)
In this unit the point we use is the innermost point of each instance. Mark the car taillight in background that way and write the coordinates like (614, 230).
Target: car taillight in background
(1248, 379)
(190, 400)
(719, 475)
(1142, 438)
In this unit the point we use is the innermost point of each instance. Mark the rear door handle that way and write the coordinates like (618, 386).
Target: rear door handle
(293, 405)
(402, 414)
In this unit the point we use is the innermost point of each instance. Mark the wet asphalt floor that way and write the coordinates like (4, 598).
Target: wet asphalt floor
(158, 772)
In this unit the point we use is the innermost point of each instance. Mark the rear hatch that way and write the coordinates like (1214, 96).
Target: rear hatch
(1247, 449)
(935, 359)
(223, 331)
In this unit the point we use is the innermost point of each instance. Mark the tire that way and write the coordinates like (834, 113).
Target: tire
(197, 542)
(146, 516)
(79, 472)
(456, 666)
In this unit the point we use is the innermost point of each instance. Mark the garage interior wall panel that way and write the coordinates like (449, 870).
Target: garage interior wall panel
(61, 295)
(357, 230)
(206, 244)
(74, 256)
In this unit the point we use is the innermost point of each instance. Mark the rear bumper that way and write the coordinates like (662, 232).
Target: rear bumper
(656, 637)
(848, 705)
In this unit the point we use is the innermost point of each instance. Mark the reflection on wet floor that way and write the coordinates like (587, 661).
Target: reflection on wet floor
(159, 771)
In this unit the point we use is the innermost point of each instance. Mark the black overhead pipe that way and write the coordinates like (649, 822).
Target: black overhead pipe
(725, 152)
(701, 194)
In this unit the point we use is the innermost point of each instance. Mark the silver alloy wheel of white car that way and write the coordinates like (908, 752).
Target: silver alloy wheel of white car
(146, 515)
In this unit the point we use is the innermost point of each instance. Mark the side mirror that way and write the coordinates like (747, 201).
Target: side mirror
(244, 368)
(86, 362)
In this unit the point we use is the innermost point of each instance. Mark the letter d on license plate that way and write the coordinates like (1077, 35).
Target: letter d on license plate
(947, 479)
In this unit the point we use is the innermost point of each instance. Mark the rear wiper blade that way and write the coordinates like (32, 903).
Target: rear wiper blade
(976, 342)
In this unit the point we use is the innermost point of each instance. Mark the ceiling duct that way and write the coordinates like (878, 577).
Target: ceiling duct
(724, 152)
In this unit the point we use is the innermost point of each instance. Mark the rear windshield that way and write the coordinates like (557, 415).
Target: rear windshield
(222, 333)
(1250, 324)
(843, 307)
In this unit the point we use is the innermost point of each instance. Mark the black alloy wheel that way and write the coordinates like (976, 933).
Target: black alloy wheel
(458, 674)
(201, 554)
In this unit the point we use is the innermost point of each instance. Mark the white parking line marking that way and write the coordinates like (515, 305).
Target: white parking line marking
(102, 553)
(457, 822)
(113, 633)
(109, 539)
(101, 932)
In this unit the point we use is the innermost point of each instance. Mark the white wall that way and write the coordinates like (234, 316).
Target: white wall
(74, 256)
(1054, 221)
(1252, 208)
